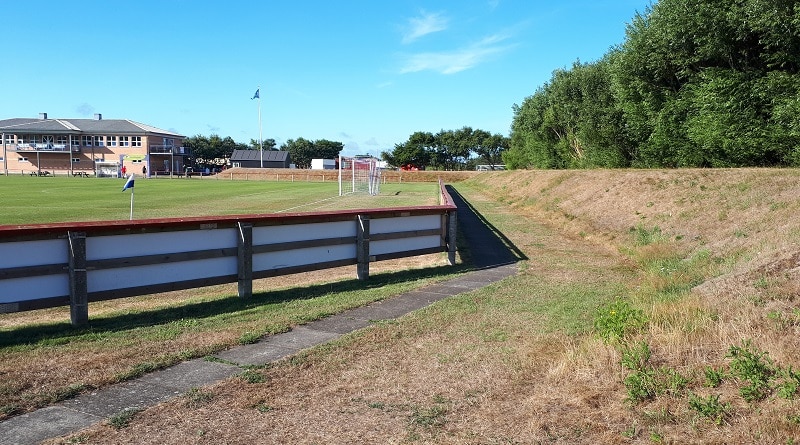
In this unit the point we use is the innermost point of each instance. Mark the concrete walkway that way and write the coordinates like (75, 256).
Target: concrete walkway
(492, 256)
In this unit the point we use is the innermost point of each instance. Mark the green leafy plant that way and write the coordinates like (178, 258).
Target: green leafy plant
(252, 376)
(787, 389)
(710, 407)
(641, 385)
(753, 367)
(618, 319)
(636, 357)
(123, 418)
(713, 376)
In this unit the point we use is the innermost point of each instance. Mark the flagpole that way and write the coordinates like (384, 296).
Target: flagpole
(260, 140)
(132, 190)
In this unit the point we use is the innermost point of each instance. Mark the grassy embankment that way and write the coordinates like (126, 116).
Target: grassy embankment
(656, 307)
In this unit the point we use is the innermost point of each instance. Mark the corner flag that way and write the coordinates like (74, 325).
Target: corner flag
(255, 96)
(128, 184)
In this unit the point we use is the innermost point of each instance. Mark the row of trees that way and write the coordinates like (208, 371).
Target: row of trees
(448, 150)
(701, 83)
(215, 151)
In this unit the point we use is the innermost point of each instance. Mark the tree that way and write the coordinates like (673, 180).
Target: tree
(302, 151)
(490, 147)
(414, 153)
(211, 150)
(267, 144)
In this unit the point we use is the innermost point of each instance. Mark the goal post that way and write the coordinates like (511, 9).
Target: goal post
(359, 175)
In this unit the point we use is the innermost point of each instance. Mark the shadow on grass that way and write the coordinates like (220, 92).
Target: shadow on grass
(480, 243)
(64, 332)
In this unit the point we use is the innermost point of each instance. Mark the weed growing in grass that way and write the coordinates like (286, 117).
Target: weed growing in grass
(713, 376)
(262, 407)
(252, 376)
(645, 237)
(613, 322)
(790, 384)
(123, 418)
(710, 407)
(429, 418)
(196, 397)
(753, 367)
(249, 338)
(641, 385)
(636, 357)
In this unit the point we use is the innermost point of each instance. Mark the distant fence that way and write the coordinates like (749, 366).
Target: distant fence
(73, 264)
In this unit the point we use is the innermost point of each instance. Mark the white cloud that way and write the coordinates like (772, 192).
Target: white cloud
(426, 23)
(451, 62)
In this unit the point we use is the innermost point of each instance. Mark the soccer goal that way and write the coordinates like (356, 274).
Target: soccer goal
(359, 175)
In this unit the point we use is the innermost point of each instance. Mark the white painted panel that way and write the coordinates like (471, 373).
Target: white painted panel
(34, 253)
(403, 245)
(34, 288)
(303, 257)
(123, 277)
(406, 223)
(120, 246)
(302, 232)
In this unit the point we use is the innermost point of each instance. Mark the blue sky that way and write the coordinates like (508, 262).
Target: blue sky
(367, 73)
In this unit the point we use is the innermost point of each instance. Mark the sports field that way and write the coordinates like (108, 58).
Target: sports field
(35, 200)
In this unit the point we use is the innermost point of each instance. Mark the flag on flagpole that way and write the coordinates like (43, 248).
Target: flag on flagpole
(255, 96)
(128, 184)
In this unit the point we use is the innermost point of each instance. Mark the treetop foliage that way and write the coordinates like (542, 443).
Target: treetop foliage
(448, 150)
(698, 83)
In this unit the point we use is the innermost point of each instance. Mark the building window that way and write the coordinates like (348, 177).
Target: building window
(9, 139)
(22, 159)
(62, 140)
(137, 161)
(111, 141)
(124, 141)
(76, 160)
(76, 142)
(136, 141)
(99, 141)
(86, 141)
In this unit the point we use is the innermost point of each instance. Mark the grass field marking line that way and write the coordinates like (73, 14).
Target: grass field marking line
(307, 204)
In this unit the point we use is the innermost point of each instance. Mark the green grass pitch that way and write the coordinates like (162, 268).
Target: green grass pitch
(35, 200)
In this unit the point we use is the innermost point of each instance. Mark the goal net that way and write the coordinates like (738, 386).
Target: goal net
(359, 175)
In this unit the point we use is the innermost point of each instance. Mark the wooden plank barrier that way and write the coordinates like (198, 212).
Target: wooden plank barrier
(74, 264)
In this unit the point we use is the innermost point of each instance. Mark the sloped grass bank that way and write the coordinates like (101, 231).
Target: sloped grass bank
(655, 307)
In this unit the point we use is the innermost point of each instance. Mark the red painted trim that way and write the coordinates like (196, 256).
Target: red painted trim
(8, 231)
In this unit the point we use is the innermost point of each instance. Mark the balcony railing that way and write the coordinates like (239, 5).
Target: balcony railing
(64, 148)
(168, 149)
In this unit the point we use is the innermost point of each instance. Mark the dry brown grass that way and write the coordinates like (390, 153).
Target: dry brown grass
(509, 364)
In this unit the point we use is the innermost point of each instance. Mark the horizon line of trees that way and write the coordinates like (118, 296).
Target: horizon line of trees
(458, 149)
(215, 151)
(706, 83)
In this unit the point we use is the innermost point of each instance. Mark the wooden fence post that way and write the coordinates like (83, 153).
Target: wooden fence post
(78, 284)
(452, 229)
(362, 247)
(244, 264)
